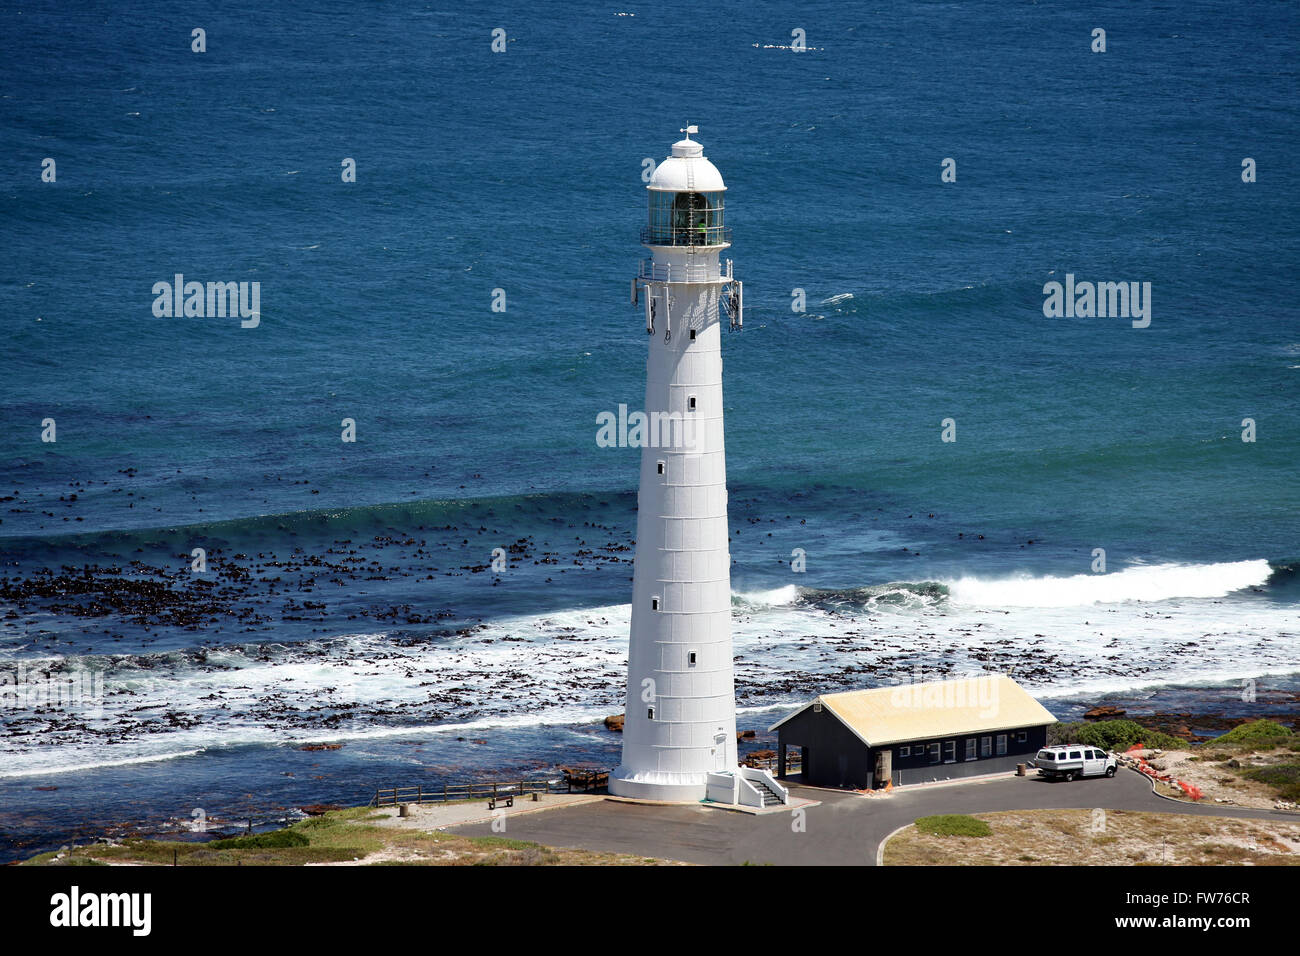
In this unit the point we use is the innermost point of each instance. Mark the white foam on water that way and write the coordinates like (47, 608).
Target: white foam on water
(46, 764)
(776, 597)
(569, 667)
(1140, 583)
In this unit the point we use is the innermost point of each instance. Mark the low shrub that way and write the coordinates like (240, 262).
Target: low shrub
(1111, 735)
(1256, 733)
(1284, 777)
(272, 840)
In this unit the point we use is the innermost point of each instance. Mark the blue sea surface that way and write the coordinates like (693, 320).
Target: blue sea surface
(476, 429)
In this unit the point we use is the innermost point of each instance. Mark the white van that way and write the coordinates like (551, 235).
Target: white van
(1074, 760)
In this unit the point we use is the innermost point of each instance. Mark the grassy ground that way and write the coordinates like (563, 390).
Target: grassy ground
(1258, 771)
(339, 837)
(1078, 838)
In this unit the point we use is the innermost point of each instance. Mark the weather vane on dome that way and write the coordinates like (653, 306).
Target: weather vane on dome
(689, 130)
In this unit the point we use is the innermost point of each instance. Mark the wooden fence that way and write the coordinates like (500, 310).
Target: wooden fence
(793, 763)
(576, 782)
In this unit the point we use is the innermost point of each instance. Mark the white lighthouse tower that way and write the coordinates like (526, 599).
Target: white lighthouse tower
(680, 719)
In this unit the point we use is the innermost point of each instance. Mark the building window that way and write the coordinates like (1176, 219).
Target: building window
(690, 658)
(934, 753)
(905, 751)
(986, 746)
(692, 335)
(970, 748)
(650, 713)
(1002, 744)
(654, 604)
(661, 467)
(950, 751)
(1021, 737)
(690, 403)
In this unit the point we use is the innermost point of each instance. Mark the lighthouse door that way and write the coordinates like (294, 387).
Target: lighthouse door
(720, 752)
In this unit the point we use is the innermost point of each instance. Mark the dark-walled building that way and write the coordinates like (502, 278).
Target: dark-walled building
(914, 733)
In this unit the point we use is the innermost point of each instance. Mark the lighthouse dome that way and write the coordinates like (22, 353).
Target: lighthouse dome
(687, 170)
(686, 204)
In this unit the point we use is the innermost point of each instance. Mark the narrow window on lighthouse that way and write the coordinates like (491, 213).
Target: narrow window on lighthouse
(691, 658)
(650, 713)
(690, 403)
(661, 467)
(692, 335)
(654, 604)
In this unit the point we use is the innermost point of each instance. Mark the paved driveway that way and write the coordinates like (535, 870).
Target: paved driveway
(845, 829)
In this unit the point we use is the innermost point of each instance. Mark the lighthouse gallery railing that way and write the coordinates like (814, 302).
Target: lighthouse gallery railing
(651, 271)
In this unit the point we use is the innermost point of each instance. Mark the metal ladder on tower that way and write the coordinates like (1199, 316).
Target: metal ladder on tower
(690, 188)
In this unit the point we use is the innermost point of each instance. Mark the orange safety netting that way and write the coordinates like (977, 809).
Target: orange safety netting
(1191, 790)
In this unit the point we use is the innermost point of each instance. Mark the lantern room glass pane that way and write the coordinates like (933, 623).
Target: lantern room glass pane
(686, 219)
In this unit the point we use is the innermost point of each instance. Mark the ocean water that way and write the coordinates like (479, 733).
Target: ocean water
(349, 597)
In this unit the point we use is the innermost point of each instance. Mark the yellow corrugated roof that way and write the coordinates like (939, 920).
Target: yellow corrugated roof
(934, 709)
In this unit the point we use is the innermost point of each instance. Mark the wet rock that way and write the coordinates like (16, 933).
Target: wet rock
(758, 758)
(1105, 712)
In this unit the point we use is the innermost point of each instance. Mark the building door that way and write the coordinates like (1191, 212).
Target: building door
(884, 768)
(720, 752)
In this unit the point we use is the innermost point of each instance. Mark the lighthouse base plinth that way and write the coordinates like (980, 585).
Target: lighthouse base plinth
(663, 787)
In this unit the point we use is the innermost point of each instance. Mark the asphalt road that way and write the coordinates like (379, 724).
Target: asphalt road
(845, 829)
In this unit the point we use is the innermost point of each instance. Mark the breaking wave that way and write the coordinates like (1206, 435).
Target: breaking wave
(1159, 582)
(1142, 583)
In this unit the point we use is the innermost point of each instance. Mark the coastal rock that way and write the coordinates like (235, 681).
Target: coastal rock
(320, 747)
(585, 777)
(1105, 712)
(614, 722)
(745, 734)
